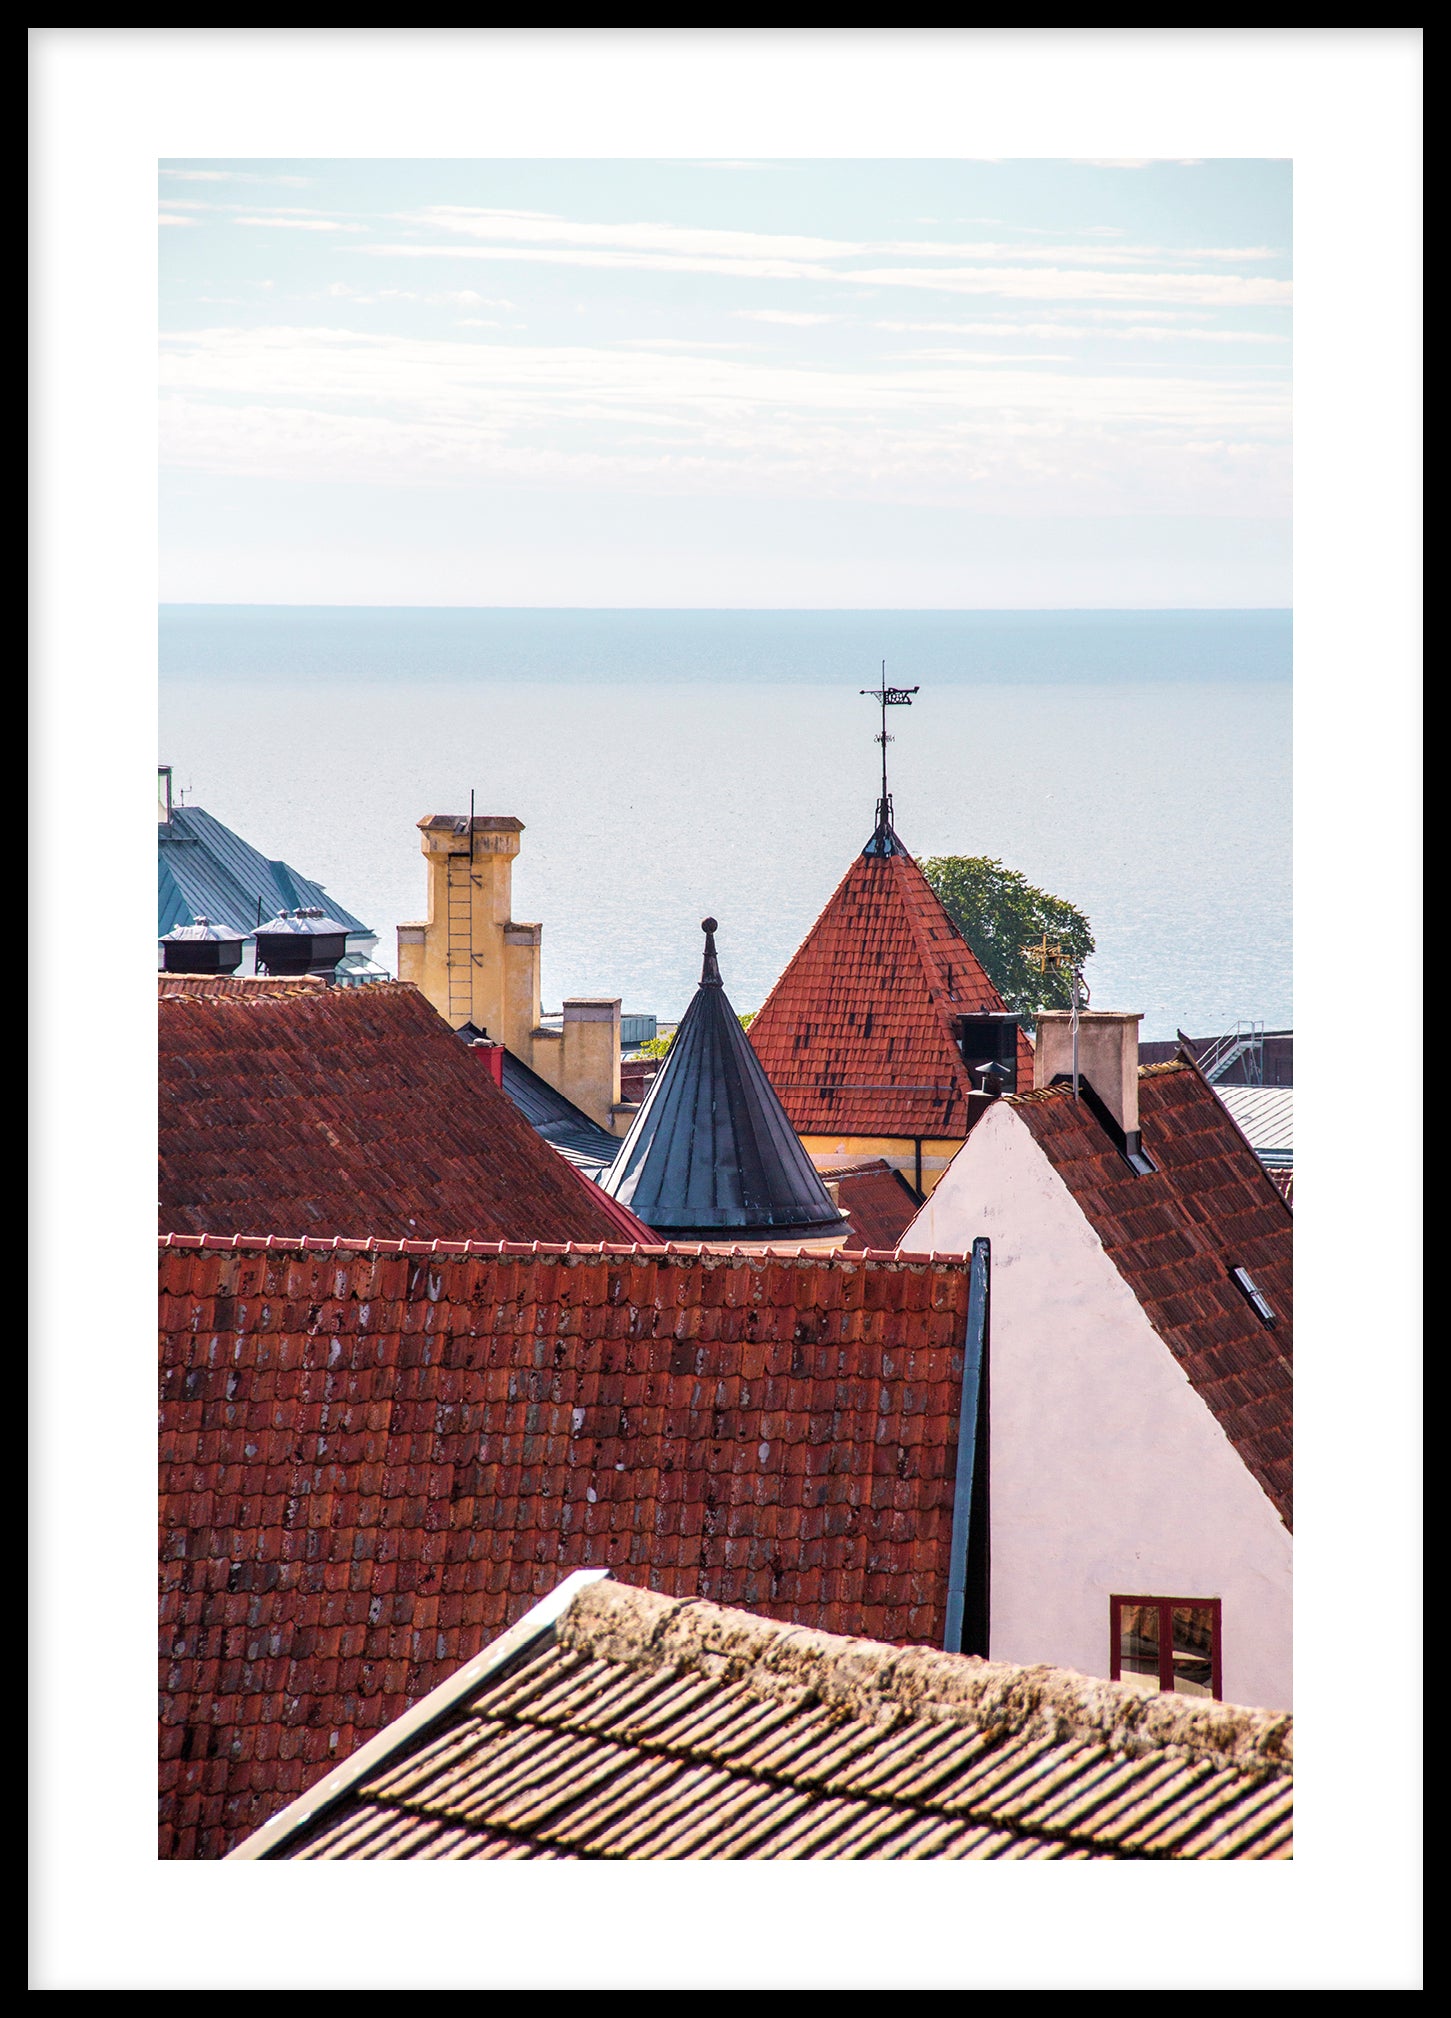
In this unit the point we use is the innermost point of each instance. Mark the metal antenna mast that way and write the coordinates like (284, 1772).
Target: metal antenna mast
(889, 697)
(1052, 959)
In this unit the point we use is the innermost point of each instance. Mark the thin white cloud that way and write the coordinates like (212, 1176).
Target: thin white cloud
(989, 356)
(280, 223)
(800, 317)
(1205, 290)
(164, 219)
(530, 228)
(1210, 290)
(234, 175)
(337, 405)
(1173, 333)
(1059, 331)
(450, 297)
(681, 343)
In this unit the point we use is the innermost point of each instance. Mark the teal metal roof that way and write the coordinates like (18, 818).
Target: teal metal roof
(205, 870)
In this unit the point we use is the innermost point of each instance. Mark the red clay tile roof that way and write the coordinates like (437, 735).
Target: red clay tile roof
(376, 1456)
(1175, 1235)
(857, 1036)
(327, 1110)
(881, 1202)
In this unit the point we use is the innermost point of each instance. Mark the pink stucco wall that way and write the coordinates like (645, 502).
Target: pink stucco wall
(1108, 1473)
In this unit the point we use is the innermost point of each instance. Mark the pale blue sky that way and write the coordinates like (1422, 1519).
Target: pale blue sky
(990, 384)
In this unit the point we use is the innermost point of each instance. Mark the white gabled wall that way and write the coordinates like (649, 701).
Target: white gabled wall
(1108, 1473)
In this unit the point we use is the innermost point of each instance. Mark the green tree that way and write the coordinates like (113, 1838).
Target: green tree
(656, 1047)
(999, 912)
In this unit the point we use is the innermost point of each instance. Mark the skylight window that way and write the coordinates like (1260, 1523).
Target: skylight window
(1255, 1294)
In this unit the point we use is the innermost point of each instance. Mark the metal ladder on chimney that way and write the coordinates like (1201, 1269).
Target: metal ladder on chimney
(1247, 1041)
(460, 957)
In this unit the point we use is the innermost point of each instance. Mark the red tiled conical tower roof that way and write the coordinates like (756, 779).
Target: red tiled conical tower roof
(858, 1036)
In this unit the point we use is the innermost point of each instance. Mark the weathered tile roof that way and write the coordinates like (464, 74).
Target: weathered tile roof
(1176, 1234)
(339, 1110)
(639, 1726)
(240, 987)
(881, 1202)
(374, 1456)
(858, 1036)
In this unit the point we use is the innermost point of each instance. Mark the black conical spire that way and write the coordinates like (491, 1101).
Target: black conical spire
(711, 1152)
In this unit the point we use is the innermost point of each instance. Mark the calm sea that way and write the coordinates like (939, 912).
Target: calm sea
(667, 764)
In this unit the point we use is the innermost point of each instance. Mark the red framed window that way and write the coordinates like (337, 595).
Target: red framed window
(1169, 1644)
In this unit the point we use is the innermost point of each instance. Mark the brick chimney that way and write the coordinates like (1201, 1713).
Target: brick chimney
(1108, 1058)
(491, 1056)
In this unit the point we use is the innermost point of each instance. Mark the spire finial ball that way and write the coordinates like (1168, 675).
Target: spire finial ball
(709, 925)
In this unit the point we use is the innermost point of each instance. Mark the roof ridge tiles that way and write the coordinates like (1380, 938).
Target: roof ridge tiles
(620, 1622)
(841, 1259)
(1165, 1068)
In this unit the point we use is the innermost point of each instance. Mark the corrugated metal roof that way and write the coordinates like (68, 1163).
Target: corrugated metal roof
(711, 1149)
(644, 1727)
(568, 1128)
(1265, 1114)
(205, 870)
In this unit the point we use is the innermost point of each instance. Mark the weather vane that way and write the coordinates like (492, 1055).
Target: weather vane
(889, 697)
(1051, 959)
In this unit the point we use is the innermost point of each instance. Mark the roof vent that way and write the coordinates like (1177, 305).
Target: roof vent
(1246, 1283)
(200, 948)
(305, 941)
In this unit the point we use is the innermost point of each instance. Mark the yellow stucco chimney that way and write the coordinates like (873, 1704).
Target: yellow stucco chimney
(478, 964)
(469, 956)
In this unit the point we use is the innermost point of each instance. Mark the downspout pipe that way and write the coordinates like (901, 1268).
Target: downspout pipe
(971, 1461)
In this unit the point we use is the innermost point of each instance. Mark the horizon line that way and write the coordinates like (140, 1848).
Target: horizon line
(785, 609)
